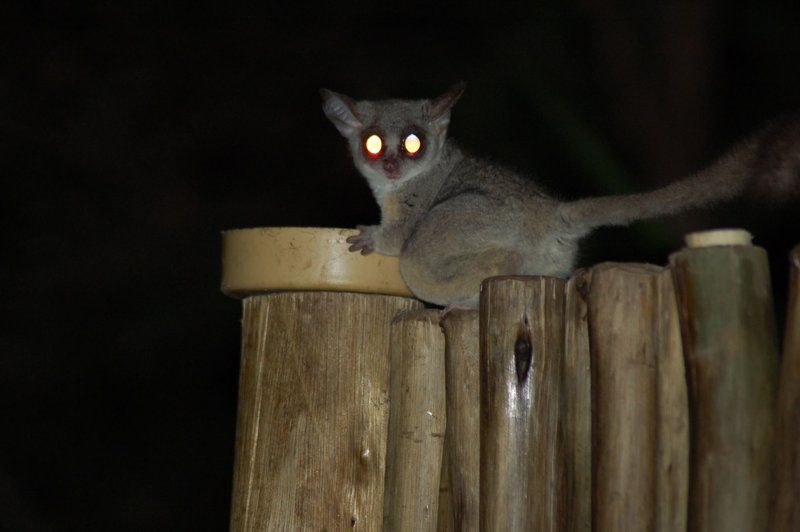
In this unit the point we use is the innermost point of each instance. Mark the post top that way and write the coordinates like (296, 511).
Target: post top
(719, 237)
(268, 259)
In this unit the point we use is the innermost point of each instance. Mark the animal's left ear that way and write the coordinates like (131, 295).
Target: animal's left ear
(440, 107)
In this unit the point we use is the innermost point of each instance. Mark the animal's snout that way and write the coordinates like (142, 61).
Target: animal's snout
(391, 164)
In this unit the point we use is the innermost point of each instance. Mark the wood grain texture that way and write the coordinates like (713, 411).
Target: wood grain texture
(444, 521)
(462, 445)
(417, 422)
(672, 424)
(313, 411)
(578, 404)
(622, 325)
(730, 345)
(785, 516)
(521, 350)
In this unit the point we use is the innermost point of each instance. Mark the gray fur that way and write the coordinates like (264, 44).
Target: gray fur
(454, 219)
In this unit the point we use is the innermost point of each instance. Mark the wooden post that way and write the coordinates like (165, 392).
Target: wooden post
(521, 350)
(622, 303)
(578, 404)
(672, 423)
(730, 344)
(416, 422)
(444, 522)
(639, 391)
(462, 446)
(313, 411)
(785, 515)
(314, 379)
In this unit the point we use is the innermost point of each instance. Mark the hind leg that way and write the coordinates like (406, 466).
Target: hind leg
(456, 280)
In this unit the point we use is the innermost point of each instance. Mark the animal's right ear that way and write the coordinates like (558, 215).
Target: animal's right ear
(341, 111)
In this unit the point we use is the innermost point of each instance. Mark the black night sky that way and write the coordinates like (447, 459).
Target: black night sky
(130, 136)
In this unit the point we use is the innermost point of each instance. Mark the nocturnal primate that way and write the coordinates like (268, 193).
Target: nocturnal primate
(454, 219)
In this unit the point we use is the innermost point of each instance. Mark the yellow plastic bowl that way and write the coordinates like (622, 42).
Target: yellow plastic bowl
(269, 259)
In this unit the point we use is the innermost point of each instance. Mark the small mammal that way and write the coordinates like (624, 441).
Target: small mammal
(454, 219)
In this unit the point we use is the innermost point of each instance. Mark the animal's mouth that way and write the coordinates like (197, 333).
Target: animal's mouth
(393, 175)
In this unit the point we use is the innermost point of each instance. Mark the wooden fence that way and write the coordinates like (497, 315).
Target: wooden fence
(628, 397)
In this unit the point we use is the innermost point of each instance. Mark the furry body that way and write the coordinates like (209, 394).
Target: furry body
(453, 219)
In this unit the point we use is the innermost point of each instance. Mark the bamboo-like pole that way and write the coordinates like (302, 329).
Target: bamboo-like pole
(622, 309)
(462, 446)
(521, 350)
(417, 422)
(313, 411)
(785, 516)
(730, 344)
(578, 404)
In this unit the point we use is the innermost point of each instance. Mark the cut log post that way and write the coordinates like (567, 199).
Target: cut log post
(462, 445)
(730, 345)
(313, 411)
(578, 404)
(640, 425)
(314, 379)
(417, 421)
(444, 521)
(521, 350)
(785, 515)
(672, 424)
(623, 301)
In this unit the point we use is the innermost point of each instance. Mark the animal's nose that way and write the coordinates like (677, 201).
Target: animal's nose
(390, 164)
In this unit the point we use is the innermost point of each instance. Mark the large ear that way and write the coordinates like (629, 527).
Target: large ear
(440, 107)
(341, 111)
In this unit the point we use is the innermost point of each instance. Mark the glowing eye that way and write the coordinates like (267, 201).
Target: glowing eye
(412, 144)
(373, 144)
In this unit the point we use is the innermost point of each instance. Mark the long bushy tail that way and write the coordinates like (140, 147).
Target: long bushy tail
(766, 163)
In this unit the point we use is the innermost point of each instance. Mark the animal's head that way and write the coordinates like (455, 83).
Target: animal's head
(392, 141)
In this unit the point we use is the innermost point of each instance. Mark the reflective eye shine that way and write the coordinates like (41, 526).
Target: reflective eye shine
(412, 144)
(373, 144)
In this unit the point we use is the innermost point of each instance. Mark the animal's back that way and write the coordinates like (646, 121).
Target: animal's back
(485, 220)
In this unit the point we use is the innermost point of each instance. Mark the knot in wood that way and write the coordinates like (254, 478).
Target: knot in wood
(523, 353)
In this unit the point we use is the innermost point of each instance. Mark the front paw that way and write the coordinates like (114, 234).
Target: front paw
(365, 240)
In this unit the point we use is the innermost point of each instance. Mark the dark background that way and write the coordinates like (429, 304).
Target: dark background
(131, 136)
